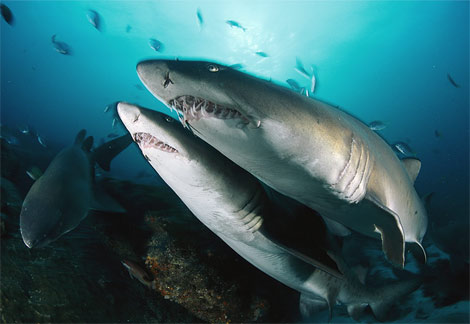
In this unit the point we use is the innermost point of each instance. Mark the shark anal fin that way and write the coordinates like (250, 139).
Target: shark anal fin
(356, 310)
(310, 305)
(412, 167)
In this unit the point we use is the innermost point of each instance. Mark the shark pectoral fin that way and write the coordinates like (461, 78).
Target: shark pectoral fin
(418, 252)
(412, 167)
(356, 310)
(387, 224)
(102, 201)
(310, 305)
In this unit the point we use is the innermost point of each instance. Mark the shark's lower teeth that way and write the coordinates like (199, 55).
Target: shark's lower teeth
(145, 140)
(193, 108)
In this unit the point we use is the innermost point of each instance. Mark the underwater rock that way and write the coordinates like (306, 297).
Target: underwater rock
(187, 273)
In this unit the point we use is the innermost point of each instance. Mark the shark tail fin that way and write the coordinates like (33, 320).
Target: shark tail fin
(105, 153)
(390, 294)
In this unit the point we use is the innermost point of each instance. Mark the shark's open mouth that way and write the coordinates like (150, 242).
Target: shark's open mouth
(145, 140)
(194, 108)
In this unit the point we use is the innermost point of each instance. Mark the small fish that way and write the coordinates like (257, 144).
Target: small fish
(156, 45)
(299, 67)
(233, 23)
(135, 271)
(34, 173)
(293, 84)
(41, 141)
(112, 135)
(139, 87)
(452, 81)
(377, 125)
(262, 54)
(12, 140)
(7, 14)
(200, 20)
(313, 81)
(236, 66)
(403, 148)
(304, 92)
(114, 122)
(437, 133)
(128, 28)
(106, 109)
(61, 47)
(24, 129)
(94, 19)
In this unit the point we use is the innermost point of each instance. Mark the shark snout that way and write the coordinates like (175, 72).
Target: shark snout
(153, 72)
(128, 113)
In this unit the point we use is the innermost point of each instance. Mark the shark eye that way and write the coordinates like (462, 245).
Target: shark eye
(213, 68)
(168, 119)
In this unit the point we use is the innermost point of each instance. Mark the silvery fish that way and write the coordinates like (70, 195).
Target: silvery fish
(233, 23)
(403, 148)
(61, 47)
(94, 19)
(156, 45)
(377, 125)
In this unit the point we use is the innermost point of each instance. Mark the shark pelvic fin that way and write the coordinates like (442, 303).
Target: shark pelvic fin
(412, 167)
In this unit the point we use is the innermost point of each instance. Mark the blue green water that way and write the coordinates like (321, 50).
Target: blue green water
(378, 60)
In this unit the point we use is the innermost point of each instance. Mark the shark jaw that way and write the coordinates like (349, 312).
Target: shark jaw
(146, 141)
(190, 108)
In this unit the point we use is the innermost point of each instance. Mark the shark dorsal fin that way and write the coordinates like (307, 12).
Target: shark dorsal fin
(80, 137)
(412, 167)
(87, 144)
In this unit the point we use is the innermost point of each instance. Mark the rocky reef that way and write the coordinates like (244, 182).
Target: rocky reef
(80, 277)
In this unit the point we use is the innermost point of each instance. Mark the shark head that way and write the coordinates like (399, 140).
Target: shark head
(43, 219)
(198, 174)
(225, 107)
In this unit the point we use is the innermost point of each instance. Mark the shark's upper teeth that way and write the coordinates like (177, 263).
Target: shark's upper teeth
(145, 140)
(194, 108)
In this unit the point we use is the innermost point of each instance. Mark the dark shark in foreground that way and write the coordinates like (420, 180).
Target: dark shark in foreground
(301, 147)
(233, 204)
(61, 198)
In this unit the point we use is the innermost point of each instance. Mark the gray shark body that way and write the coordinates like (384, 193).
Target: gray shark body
(61, 198)
(233, 204)
(301, 147)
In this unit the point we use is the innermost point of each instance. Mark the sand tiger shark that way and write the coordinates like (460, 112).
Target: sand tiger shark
(61, 198)
(304, 148)
(232, 203)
